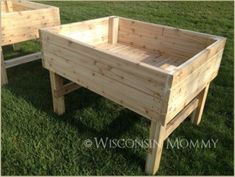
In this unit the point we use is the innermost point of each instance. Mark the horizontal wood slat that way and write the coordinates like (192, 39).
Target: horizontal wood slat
(22, 24)
(24, 59)
(180, 117)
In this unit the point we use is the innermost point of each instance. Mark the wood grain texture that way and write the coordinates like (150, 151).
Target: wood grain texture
(156, 71)
(22, 24)
(197, 115)
(4, 79)
(58, 100)
(179, 118)
(156, 137)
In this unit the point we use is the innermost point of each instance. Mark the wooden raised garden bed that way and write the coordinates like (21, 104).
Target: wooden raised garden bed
(160, 72)
(20, 21)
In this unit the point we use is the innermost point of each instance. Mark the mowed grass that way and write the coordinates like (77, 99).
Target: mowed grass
(35, 141)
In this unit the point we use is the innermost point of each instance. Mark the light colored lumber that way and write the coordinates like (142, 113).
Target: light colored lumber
(113, 30)
(154, 70)
(58, 101)
(197, 115)
(24, 59)
(163, 38)
(95, 32)
(188, 88)
(67, 88)
(62, 40)
(30, 5)
(107, 87)
(4, 79)
(9, 5)
(19, 26)
(142, 55)
(157, 133)
(197, 60)
(173, 124)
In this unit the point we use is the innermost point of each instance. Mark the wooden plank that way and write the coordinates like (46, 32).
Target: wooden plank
(21, 26)
(105, 87)
(92, 85)
(58, 101)
(24, 59)
(180, 117)
(196, 61)
(92, 33)
(9, 5)
(138, 54)
(21, 38)
(163, 27)
(30, 5)
(113, 30)
(188, 88)
(33, 14)
(151, 87)
(197, 115)
(106, 84)
(4, 79)
(67, 88)
(23, 23)
(163, 38)
(157, 133)
(73, 27)
(59, 39)
(156, 45)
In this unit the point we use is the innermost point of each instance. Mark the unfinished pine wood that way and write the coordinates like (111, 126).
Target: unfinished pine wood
(144, 56)
(157, 134)
(67, 88)
(4, 79)
(154, 70)
(188, 88)
(106, 75)
(155, 37)
(179, 118)
(197, 115)
(58, 100)
(9, 5)
(20, 20)
(113, 30)
(22, 60)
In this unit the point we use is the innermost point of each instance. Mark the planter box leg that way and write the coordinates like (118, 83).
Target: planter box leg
(155, 150)
(58, 101)
(197, 114)
(4, 79)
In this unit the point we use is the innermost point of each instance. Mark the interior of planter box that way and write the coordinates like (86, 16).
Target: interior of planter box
(155, 45)
(8, 6)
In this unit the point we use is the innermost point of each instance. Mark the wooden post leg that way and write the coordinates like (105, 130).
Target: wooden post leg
(58, 100)
(197, 114)
(4, 79)
(155, 152)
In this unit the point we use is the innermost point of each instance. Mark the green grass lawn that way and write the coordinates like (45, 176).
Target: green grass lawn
(35, 141)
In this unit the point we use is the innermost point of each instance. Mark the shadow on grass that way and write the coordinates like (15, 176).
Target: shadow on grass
(31, 82)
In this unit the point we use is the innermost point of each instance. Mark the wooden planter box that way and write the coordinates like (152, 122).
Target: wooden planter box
(160, 72)
(20, 21)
